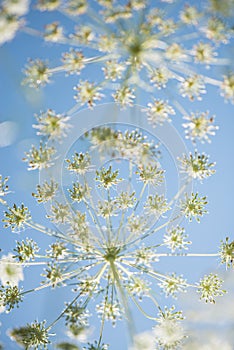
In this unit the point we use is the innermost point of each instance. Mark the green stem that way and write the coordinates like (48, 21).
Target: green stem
(124, 299)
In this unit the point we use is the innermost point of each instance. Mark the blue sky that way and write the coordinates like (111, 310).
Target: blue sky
(18, 106)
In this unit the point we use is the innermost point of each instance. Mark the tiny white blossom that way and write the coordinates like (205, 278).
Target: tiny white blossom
(87, 93)
(196, 166)
(210, 287)
(53, 32)
(203, 53)
(175, 52)
(51, 124)
(199, 126)
(216, 30)
(192, 87)
(73, 61)
(124, 96)
(48, 5)
(113, 70)
(176, 239)
(227, 87)
(158, 112)
(190, 15)
(160, 76)
(169, 333)
(110, 310)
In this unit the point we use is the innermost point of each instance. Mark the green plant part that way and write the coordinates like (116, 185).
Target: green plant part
(17, 217)
(32, 335)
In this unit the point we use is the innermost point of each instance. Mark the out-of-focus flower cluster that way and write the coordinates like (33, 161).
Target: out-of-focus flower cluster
(135, 45)
(11, 18)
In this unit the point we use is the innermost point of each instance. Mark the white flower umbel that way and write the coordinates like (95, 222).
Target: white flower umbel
(169, 333)
(9, 25)
(158, 112)
(11, 272)
(196, 166)
(199, 127)
(227, 87)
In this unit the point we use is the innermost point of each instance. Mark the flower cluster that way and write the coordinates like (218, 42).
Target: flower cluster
(227, 252)
(32, 335)
(111, 221)
(197, 166)
(210, 287)
(143, 52)
(11, 21)
(104, 245)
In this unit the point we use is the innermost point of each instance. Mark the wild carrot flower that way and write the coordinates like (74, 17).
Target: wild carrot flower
(111, 221)
(197, 166)
(199, 127)
(143, 52)
(103, 246)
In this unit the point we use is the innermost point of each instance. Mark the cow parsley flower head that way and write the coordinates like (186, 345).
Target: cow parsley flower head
(169, 333)
(158, 112)
(53, 32)
(39, 158)
(227, 252)
(113, 70)
(190, 15)
(26, 250)
(74, 61)
(46, 191)
(48, 5)
(124, 96)
(199, 126)
(151, 174)
(105, 201)
(227, 87)
(204, 53)
(210, 287)
(146, 44)
(216, 30)
(32, 335)
(37, 73)
(10, 297)
(197, 166)
(51, 124)
(192, 87)
(194, 206)
(16, 7)
(176, 238)
(16, 217)
(9, 25)
(225, 7)
(172, 285)
(160, 76)
(87, 93)
(156, 205)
